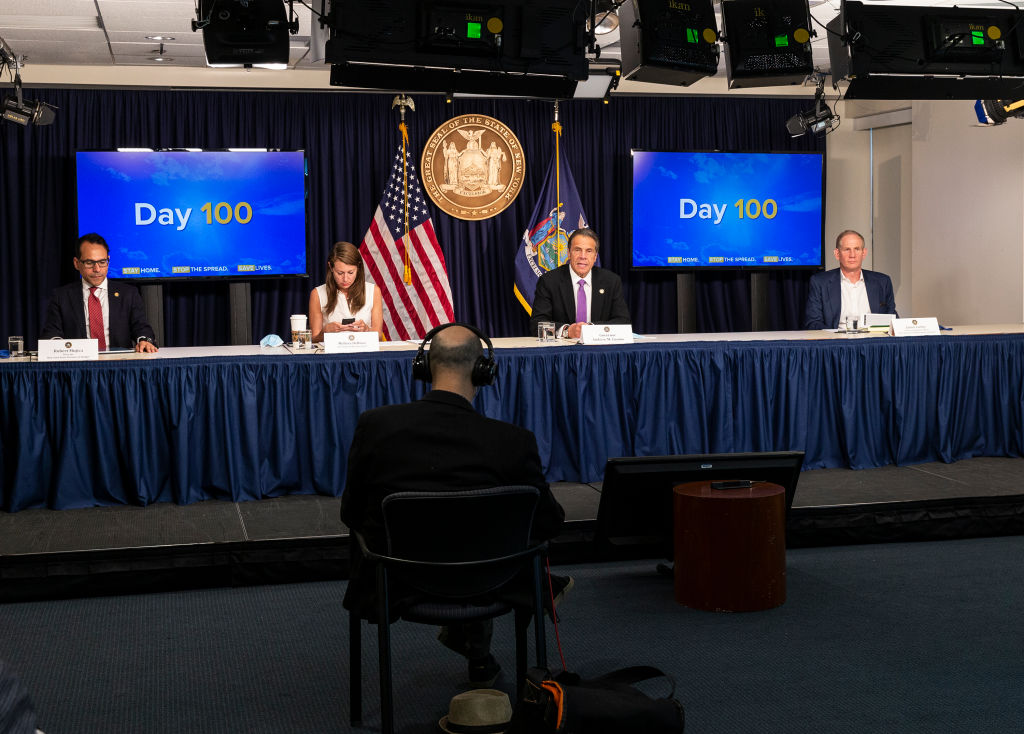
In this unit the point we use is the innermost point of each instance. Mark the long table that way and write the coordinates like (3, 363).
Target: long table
(244, 423)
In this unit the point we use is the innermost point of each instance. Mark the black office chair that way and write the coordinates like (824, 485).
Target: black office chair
(452, 550)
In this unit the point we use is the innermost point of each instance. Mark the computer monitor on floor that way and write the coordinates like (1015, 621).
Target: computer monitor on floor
(636, 496)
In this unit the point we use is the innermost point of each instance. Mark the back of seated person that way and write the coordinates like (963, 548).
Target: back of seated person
(439, 443)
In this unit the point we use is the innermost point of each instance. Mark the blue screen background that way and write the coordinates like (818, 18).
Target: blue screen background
(661, 238)
(273, 242)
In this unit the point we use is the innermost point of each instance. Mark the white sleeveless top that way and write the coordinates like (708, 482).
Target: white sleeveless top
(341, 308)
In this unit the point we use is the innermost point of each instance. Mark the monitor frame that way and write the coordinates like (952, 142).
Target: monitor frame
(228, 278)
(636, 506)
(762, 268)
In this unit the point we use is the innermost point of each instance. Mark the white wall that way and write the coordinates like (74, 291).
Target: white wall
(892, 220)
(968, 216)
(941, 203)
(847, 183)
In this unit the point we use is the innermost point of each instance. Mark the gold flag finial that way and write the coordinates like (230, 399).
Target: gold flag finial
(403, 101)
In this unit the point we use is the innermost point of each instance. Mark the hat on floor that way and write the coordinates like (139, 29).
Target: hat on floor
(483, 711)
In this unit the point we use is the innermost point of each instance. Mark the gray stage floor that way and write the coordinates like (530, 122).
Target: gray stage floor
(301, 517)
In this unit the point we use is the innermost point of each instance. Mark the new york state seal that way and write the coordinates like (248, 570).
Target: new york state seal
(473, 167)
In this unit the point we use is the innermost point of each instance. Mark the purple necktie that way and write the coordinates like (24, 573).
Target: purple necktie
(581, 302)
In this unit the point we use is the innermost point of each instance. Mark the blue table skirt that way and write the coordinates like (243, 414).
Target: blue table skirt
(240, 428)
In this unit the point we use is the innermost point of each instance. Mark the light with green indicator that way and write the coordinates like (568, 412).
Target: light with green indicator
(977, 38)
(472, 30)
(691, 35)
(781, 41)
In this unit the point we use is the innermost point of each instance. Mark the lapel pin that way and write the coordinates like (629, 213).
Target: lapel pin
(116, 294)
(600, 290)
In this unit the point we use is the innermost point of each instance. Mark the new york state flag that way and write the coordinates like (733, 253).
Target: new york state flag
(545, 245)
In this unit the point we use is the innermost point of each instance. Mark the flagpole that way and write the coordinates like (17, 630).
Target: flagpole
(556, 128)
(402, 101)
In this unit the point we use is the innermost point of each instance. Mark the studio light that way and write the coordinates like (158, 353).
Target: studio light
(25, 112)
(817, 120)
(668, 42)
(15, 107)
(767, 42)
(998, 111)
(605, 18)
(891, 52)
(518, 48)
(246, 33)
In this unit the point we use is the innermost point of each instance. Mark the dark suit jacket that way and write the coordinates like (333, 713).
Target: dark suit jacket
(825, 298)
(437, 443)
(65, 316)
(555, 299)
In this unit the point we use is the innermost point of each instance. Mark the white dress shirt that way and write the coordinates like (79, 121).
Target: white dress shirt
(854, 297)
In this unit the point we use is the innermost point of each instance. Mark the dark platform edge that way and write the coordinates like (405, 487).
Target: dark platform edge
(229, 564)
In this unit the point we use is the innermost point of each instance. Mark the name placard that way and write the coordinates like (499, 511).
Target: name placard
(606, 334)
(923, 326)
(68, 350)
(877, 320)
(340, 342)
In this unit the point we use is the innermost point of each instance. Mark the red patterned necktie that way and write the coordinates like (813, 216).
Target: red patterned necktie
(96, 319)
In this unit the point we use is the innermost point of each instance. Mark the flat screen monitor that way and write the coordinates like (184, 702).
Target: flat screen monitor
(636, 506)
(708, 211)
(177, 215)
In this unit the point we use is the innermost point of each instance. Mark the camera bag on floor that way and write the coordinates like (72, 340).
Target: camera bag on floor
(609, 704)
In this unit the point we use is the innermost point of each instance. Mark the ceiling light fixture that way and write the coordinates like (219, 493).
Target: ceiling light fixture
(605, 19)
(160, 56)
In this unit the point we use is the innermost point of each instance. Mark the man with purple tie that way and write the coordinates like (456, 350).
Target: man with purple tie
(577, 293)
(96, 308)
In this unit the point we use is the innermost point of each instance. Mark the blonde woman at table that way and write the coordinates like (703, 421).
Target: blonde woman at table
(346, 302)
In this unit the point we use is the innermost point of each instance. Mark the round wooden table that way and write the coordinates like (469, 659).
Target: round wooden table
(730, 547)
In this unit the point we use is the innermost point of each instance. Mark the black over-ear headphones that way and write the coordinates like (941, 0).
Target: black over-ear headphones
(483, 369)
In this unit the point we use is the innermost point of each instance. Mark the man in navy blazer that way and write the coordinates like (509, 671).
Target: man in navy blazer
(119, 313)
(848, 289)
(557, 294)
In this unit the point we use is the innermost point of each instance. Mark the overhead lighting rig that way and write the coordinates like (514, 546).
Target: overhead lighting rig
(15, 108)
(246, 33)
(998, 111)
(818, 120)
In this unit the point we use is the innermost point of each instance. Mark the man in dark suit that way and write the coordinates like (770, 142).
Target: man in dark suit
(848, 289)
(439, 443)
(560, 297)
(97, 308)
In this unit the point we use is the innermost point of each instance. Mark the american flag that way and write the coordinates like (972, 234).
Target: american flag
(410, 309)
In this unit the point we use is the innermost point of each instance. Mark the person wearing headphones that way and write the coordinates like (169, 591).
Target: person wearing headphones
(440, 443)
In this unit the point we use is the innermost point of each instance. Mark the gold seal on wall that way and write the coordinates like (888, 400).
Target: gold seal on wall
(473, 167)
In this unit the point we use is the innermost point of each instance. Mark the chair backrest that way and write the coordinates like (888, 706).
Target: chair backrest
(459, 543)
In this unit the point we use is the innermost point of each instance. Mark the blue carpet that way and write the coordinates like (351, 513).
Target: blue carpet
(885, 638)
